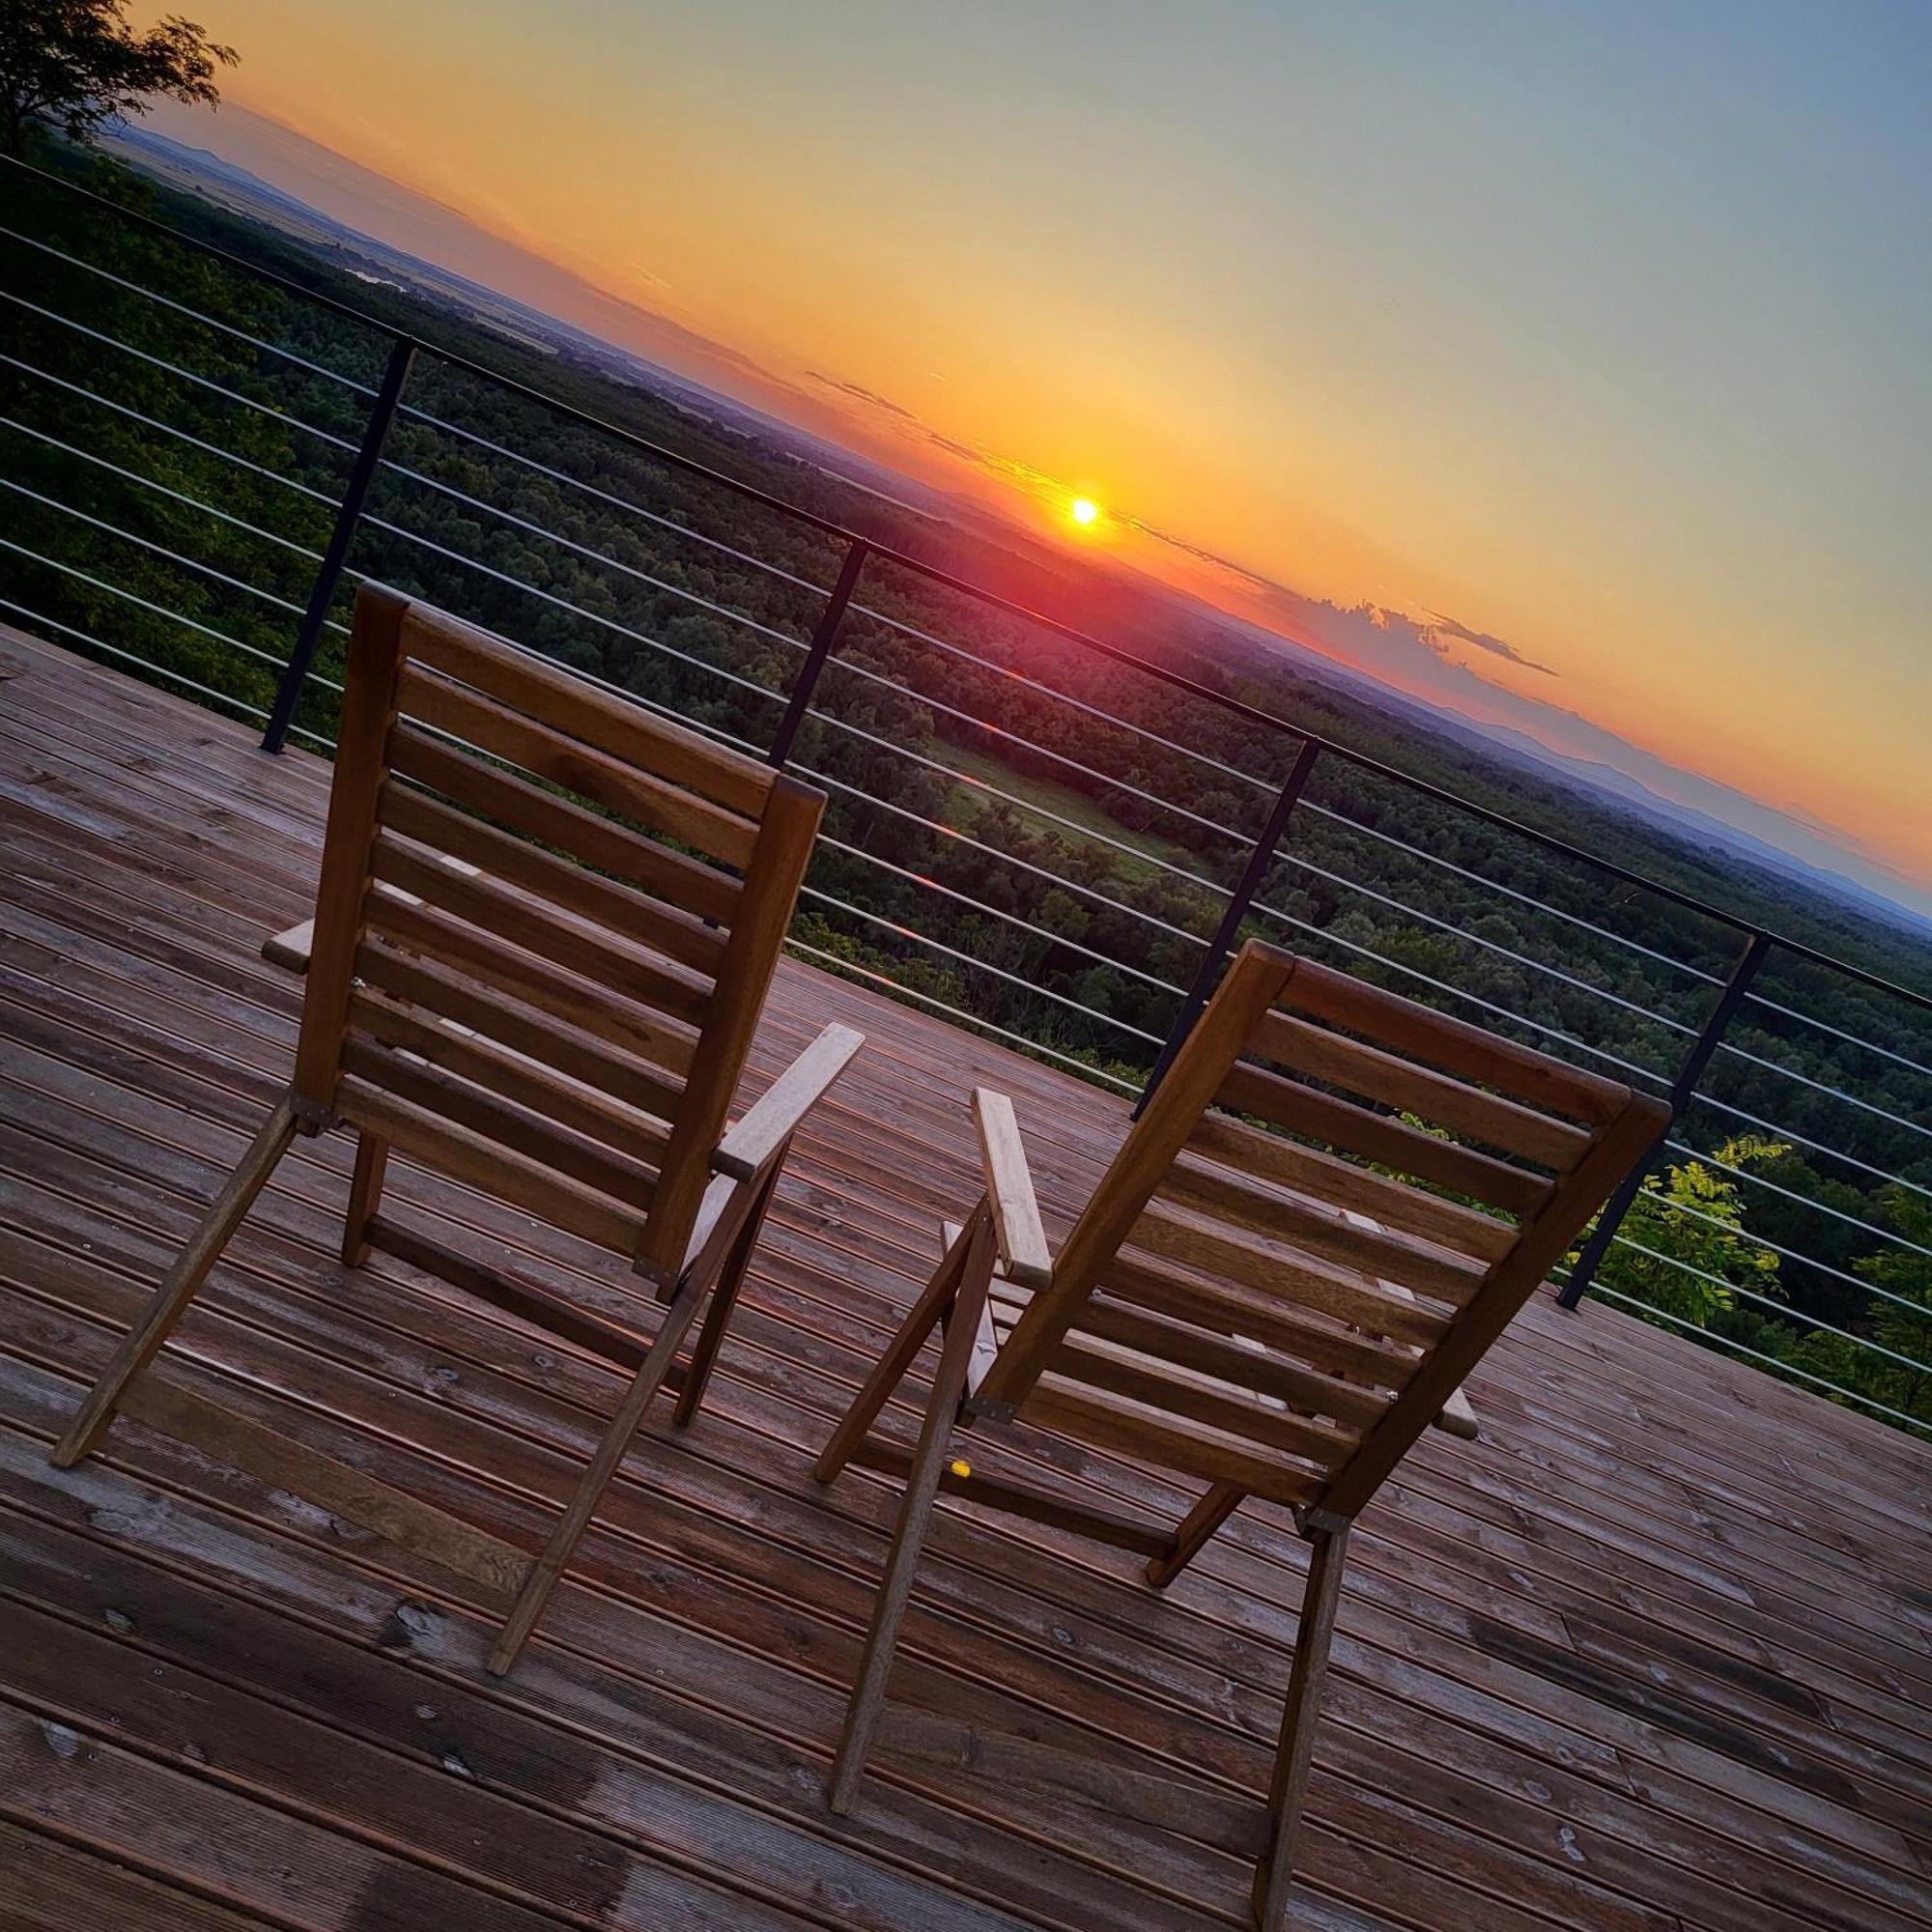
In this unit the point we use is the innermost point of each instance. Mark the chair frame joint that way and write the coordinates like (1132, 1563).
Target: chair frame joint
(1310, 1522)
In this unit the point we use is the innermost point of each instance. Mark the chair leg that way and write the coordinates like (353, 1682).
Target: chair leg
(576, 1519)
(1294, 1756)
(188, 1270)
(365, 1194)
(724, 1298)
(942, 1410)
(934, 1301)
(1197, 1526)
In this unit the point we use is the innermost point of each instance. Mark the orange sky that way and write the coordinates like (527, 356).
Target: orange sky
(1608, 348)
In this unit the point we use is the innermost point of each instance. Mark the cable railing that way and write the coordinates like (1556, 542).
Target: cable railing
(1034, 832)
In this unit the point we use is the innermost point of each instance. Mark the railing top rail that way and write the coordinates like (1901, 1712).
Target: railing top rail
(1256, 714)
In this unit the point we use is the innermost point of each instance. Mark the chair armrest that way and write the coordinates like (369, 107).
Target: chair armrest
(291, 950)
(1017, 1230)
(767, 1125)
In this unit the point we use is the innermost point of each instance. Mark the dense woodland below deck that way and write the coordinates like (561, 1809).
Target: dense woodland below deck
(1056, 867)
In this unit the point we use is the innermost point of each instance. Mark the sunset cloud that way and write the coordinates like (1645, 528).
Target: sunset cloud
(1450, 627)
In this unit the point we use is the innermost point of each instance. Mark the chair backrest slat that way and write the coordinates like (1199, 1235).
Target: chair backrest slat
(659, 871)
(1285, 1317)
(526, 980)
(547, 924)
(628, 1078)
(540, 926)
(540, 690)
(1383, 1138)
(519, 864)
(1318, 1228)
(1246, 1152)
(614, 783)
(1353, 1066)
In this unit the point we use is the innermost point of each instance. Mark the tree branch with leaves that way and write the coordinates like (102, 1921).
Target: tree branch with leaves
(72, 65)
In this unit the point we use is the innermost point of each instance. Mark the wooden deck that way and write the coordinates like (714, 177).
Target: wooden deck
(1656, 1652)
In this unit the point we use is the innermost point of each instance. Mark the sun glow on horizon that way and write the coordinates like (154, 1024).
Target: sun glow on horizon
(1084, 511)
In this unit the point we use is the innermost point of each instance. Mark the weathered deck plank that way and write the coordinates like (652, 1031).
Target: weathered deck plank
(1656, 1652)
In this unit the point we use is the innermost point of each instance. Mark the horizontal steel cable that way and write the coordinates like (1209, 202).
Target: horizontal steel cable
(960, 1013)
(149, 544)
(1007, 671)
(159, 610)
(194, 314)
(1816, 1147)
(1823, 1086)
(864, 672)
(1710, 1336)
(169, 428)
(1782, 1308)
(994, 912)
(1014, 799)
(93, 642)
(1839, 1033)
(1475, 939)
(1859, 1282)
(1260, 784)
(175, 369)
(1429, 858)
(919, 938)
(423, 415)
(597, 556)
(149, 483)
(1791, 1194)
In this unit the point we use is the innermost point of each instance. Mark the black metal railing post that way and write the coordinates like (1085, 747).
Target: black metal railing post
(1707, 1042)
(1207, 975)
(823, 639)
(329, 573)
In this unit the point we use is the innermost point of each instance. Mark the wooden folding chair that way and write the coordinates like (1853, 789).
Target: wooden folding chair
(1276, 1313)
(512, 984)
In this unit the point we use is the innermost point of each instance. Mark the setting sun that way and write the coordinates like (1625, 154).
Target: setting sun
(1084, 511)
